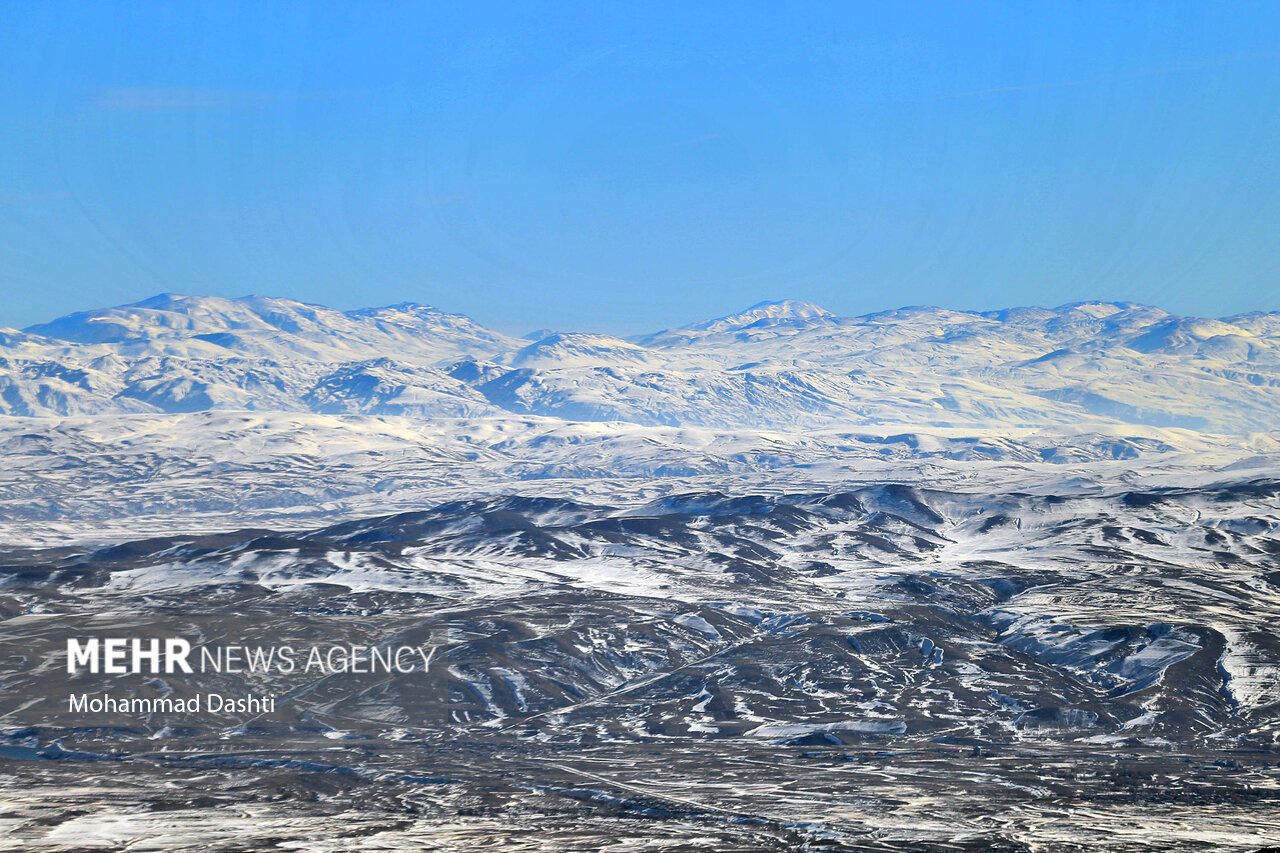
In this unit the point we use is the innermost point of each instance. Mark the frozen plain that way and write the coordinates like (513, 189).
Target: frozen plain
(925, 580)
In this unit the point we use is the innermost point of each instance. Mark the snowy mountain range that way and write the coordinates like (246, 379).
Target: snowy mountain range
(1029, 555)
(777, 365)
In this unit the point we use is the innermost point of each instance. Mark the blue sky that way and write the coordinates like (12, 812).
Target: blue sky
(626, 167)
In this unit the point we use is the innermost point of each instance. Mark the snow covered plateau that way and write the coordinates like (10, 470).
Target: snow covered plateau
(783, 580)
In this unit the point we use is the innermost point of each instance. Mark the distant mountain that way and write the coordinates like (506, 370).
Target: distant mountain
(786, 364)
(564, 349)
(790, 311)
(214, 327)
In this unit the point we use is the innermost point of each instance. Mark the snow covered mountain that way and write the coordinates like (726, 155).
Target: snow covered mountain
(1030, 550)
(256, 326)
(778, 365)
(187, 410)
(789, 312)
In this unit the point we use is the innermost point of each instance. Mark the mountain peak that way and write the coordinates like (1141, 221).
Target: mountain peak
(401, 310)
(1099, 310)
(160, 299)
(408, 307)
(765, 313)
(562, 348)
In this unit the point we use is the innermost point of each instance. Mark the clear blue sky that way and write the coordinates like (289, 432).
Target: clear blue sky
(626, 167)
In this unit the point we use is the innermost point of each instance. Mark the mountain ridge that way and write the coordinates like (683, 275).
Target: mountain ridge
(782, 364)
(768, 310)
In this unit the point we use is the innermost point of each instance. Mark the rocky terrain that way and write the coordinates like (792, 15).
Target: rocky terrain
(925, 580)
